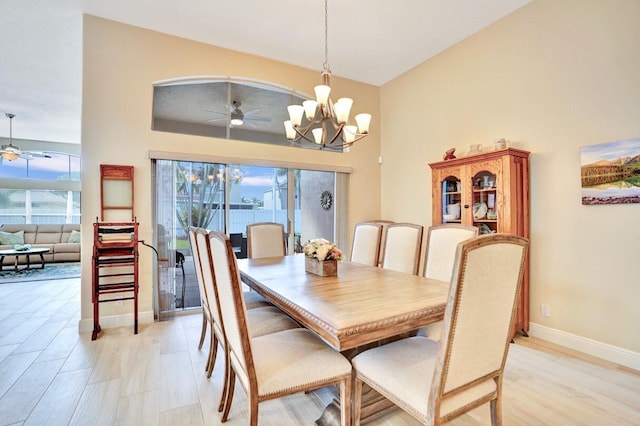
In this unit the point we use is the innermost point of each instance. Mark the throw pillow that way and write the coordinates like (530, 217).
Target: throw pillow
(74, 237)
(11, 238)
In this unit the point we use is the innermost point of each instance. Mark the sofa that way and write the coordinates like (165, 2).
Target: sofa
(54, 237)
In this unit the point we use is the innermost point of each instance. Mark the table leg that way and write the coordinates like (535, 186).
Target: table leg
(41, 260)
(373, 406)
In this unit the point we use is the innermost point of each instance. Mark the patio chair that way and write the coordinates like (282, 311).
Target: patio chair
(436, 382)
(277, 364)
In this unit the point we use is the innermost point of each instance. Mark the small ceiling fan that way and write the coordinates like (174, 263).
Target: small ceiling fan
(11, 152)
(238, 117)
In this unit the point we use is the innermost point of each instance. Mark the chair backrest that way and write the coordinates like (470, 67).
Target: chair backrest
(383, 238)
(442, 241)
(193, 244)
(478, 320)
(232, 307)
(366, 243)
(402, 247)
(265, 239)
(208, 278)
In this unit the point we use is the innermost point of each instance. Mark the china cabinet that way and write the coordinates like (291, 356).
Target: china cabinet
(489, 190)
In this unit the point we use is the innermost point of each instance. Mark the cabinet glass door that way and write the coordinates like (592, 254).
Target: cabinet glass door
(485, 202)
(451, 200)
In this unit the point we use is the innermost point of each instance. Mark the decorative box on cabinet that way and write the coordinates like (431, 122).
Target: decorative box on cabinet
(491, 191)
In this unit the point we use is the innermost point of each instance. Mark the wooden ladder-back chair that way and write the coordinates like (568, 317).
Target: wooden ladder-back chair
(402, 247)
(440, 256)
(276, 364)
(265, 239)
(366, 243)
(438, 381)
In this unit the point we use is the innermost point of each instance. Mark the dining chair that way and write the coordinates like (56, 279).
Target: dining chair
(438, 381)
(265, 239)
(383, 238)
(277, 364)
(440, 256)
(206, 312)
(366, 243)
(263, 317)
(402, 247)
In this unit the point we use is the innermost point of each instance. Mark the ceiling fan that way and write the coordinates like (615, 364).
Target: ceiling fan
(238, 117)
(11, 152)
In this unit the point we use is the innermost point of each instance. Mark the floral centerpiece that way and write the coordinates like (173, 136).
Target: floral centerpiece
(321, 257)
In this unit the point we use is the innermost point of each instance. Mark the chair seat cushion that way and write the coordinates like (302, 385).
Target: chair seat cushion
(292, 359)
(403, 371)
(254, 300)
(267, 320)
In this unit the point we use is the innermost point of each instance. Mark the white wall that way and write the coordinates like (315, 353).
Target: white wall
(551, 77)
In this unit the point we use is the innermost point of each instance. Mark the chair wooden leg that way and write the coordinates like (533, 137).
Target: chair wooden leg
(225, 386)
(253, 412)
(204, 330)
(496, 412)
(229, 399)
(213, 351)
(357, 401)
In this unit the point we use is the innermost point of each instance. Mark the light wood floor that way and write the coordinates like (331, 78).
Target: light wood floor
(52, 375)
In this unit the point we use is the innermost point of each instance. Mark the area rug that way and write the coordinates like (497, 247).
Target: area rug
(51, 271)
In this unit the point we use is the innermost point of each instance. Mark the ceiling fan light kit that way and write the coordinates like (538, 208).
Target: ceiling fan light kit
(11, 152)
(323, 112)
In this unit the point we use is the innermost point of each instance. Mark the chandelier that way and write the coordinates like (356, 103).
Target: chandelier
(326, 121)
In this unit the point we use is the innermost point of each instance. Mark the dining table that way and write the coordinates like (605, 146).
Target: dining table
(360, 307)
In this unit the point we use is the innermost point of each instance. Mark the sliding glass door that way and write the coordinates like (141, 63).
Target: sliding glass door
(228, 197)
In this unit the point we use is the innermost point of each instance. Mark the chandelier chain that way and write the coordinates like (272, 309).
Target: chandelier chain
(325, 66)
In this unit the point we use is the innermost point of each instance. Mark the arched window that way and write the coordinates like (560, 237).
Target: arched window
(224, 107)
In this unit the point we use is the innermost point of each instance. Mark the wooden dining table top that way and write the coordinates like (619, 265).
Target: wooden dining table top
(361, 305)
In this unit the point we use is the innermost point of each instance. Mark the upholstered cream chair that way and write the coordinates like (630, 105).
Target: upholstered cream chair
(206, 312)
(440, 256)
(383, 239)
(265, 239)
(366, 243)
(276, 364)
(438, 381)
(402, 247)
(263, 317)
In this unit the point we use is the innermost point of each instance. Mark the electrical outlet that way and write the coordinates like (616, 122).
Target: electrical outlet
(545, 310)
(120, 302)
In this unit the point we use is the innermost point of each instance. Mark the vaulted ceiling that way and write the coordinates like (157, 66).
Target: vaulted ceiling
(371, 41)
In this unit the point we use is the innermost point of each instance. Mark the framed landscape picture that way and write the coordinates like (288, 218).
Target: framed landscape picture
(610, 172)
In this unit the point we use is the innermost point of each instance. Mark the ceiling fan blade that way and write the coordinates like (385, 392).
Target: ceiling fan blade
(217, 119)
(37, 154)
(252, 111)
(258, 118)
(249, 123)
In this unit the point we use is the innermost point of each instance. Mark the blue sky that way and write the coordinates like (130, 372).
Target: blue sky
(609, 151)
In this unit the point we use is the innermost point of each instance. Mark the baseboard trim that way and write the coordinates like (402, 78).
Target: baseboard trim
(601, 350)
(115, 321)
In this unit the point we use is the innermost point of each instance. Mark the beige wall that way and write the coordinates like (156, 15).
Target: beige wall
(551, 77)
(121, 62)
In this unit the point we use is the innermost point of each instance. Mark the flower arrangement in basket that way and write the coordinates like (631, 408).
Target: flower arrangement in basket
(321, 257)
